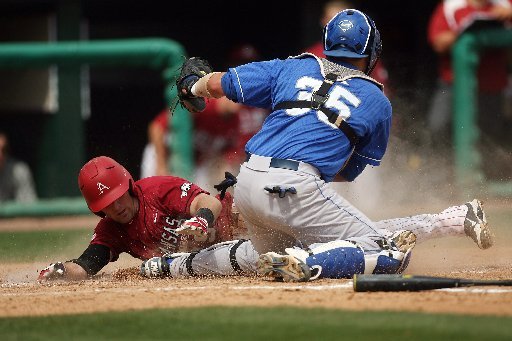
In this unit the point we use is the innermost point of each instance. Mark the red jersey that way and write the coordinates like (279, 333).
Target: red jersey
(456, 16)
(164, 204)
(250, 122)
(162, 119)
(220, 133)
(214, 131)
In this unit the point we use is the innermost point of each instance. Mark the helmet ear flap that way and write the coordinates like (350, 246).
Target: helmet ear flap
(130, 187)
(100, 214)
(374, 47)
(324, 35)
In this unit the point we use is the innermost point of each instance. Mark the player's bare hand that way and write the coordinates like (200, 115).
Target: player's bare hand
(52, 272)
(502, 13)
(195, 226)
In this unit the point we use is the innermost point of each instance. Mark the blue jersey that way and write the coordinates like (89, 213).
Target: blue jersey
(305, 134)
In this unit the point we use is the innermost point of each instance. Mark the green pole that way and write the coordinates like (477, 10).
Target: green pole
(62, 149)
(465, 58)
(62, 146)
(465, 130)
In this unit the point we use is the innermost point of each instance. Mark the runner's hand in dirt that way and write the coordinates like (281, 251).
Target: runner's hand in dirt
(52, 272)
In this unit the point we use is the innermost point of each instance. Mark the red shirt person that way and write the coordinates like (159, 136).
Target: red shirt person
(451, 18)
(146, 218)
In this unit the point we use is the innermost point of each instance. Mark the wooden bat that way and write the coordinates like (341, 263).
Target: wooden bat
(417, 283)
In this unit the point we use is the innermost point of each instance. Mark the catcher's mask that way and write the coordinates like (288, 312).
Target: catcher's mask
(103, 180)
(352, 34)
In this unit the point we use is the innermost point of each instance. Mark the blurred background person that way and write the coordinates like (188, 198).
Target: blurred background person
(16, 181)
(448, 21)
(223, 129)
(220, 133)
(155, 157)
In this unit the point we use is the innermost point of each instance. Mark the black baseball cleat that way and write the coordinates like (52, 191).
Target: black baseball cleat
(476, 227)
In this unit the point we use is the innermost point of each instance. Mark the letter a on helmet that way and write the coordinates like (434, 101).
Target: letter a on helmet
(103, 180)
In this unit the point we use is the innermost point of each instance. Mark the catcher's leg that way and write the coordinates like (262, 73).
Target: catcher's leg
(336, 259)
(462, 220)
(236, 257)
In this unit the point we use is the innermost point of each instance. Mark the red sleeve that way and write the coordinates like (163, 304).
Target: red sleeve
(162, 119)
(317, 49)
(437, 23)
(177, 194)
(109, 234)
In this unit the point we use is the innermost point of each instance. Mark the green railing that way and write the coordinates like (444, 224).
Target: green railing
(61, 152)
(45, 208)
(468, 161)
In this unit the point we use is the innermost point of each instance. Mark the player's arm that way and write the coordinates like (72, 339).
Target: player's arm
(204, 210)
(205, 201)
(440, 35)
(340, 178)
(444, 41)
(209, 86)
(502, 13)
(92, 260)
(156, 135)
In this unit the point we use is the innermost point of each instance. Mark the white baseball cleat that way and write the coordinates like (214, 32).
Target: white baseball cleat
(285, 267)
(404, 240)
(475, 225)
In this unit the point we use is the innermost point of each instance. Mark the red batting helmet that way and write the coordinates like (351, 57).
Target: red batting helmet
(103, 180)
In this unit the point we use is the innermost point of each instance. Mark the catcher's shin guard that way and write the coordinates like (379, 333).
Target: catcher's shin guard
(336, 259)
(344, 259)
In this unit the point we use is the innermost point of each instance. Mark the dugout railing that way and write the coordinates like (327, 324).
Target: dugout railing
(61, 152)
(468, 160)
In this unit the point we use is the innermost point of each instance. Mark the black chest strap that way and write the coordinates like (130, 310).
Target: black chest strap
(317, 102)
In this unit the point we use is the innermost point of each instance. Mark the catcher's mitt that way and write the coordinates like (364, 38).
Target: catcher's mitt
(193, 68)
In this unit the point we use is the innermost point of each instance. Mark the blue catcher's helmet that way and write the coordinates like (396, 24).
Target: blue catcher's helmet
(353, 34)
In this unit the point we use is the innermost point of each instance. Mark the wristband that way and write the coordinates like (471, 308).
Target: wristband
(200, 88)
(206, 214)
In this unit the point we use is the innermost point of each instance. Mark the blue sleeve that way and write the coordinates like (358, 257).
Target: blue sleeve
(372, 146)
(249, 83)
(354, 167)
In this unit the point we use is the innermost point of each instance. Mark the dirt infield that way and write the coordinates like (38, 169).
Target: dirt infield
(120, 288)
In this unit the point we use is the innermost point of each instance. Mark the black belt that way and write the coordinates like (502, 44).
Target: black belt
(279, 163)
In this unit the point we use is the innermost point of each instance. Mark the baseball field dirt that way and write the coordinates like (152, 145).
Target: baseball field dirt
(118, 287)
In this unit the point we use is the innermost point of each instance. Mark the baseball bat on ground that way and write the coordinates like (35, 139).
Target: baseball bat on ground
(417, 283)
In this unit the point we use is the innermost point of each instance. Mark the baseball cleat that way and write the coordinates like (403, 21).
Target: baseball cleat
(404, 240)
(475, 225)
(285, 267)
(405, 261)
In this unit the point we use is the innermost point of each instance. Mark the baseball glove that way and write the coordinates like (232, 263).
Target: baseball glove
(193, 68)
